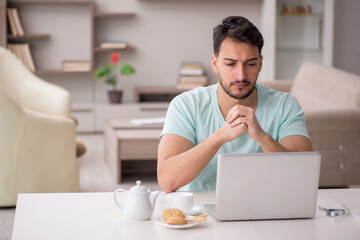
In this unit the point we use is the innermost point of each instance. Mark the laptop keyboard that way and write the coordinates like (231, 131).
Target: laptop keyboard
(210, 208)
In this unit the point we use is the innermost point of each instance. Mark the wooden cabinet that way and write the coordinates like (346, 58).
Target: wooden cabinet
(156, 93)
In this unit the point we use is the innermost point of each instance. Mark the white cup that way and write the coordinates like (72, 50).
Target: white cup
(180, 200)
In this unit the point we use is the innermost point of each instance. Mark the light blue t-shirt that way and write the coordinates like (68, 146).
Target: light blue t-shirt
(195, 115)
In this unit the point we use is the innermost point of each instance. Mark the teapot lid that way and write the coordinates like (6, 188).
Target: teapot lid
(138, 187)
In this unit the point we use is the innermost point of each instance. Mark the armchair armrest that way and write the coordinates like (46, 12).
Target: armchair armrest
(74, 119)
(48, 146)
(35, 90)
(336, 134)
(281, 85)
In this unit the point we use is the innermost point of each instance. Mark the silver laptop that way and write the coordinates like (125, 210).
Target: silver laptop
(266, 186)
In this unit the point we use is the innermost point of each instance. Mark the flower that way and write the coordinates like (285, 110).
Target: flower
(109, 72)
(115, 58)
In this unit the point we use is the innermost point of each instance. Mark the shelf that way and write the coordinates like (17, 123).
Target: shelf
(50, 1)
(113, 15)
(27, 37)
(107, 50)
(58, 72)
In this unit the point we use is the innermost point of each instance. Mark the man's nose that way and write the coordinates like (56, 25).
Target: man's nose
(240, 73)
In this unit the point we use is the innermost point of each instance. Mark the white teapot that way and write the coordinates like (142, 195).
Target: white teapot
(139, 202)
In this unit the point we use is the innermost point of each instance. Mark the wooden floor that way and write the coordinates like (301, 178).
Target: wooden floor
(94, 177)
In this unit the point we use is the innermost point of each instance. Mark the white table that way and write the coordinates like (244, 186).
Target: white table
(95, 216)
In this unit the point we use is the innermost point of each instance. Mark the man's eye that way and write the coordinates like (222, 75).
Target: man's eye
(229, 64)
(251, 64)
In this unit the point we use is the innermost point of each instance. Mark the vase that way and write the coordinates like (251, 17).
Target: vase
(115, 96)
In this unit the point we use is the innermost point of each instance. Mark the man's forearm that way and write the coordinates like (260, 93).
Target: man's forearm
(268, 144)
(293, 143)
(179, 170)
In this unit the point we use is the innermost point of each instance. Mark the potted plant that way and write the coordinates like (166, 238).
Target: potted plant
(110, 74)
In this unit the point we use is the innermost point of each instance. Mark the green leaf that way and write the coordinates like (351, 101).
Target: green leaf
(106, 70)
(127, 69)
(100, 73)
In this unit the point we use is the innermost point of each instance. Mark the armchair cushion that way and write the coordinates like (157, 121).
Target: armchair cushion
(321, 88)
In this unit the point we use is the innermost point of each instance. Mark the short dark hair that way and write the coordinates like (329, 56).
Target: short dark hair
(238, 29)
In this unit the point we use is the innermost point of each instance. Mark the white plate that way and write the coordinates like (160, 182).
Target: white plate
(161, 221)
(195, 210)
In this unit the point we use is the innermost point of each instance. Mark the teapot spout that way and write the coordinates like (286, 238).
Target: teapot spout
(153, 197)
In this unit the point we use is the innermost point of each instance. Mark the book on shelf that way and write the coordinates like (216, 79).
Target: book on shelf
(11, 48)
(29, 57)
(76, 66)
(193, 79)
(18, 24)
(14, 22)
(23, 52)
(115, 45)
(191, 75)
(188, 68)
(11, 22)
(191, 65)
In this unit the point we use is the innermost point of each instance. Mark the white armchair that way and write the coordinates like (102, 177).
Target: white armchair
(37, 135)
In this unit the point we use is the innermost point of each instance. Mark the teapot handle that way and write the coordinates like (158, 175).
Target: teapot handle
(115, 192)
(163, 201)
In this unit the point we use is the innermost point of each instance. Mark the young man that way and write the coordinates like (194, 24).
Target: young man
(236, 115)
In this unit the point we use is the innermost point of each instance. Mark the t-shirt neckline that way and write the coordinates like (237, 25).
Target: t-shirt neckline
(219, 115)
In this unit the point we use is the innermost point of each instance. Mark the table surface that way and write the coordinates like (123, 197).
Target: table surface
(140, 134)
(127, 124)
(95, 216)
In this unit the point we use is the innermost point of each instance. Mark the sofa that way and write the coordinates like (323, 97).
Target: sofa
(37, 134)
(331, 102)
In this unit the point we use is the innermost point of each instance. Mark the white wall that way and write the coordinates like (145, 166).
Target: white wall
(164, 33)
(347, 36)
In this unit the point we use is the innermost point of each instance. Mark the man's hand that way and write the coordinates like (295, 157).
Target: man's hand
(229, 133)
(245, 116)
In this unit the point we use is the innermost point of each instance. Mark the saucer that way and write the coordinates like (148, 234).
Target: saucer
(196, 209)
(161, 221)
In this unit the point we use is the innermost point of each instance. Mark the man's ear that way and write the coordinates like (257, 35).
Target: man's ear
(261, 62)
(214, 60)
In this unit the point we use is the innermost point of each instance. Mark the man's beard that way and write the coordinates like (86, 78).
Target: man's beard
(240, 95)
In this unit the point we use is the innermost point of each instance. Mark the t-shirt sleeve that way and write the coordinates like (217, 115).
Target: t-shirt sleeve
(181, 117)
(292, 120)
